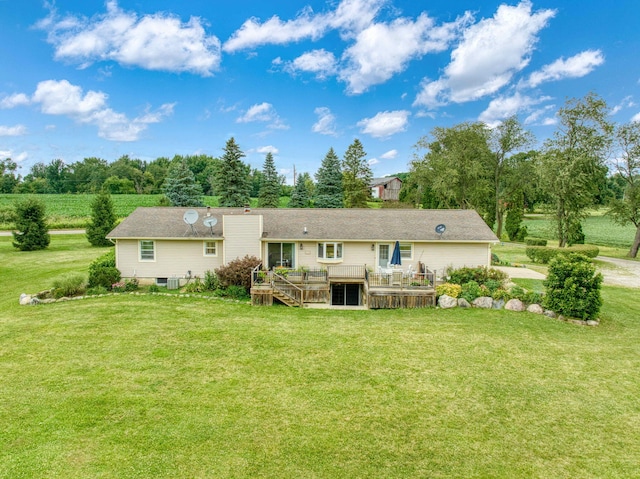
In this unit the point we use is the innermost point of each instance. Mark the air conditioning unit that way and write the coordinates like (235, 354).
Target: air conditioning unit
(173, 283)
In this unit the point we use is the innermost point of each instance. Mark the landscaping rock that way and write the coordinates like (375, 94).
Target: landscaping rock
(592, 322)
(25, 299)
(498, 304)
(535, 308)
(34, 301)
(514, 305)
(549, 313)
(447, 302)
(463, 303)
(483, 302)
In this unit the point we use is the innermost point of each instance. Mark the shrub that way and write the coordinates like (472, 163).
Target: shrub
(544, 254)
(32, 232)
(536, 242)
(492, 285)
(479, 274)
(237, 272)
(211, 282)
(517, 292)
(103, 271)
(131, 284)
(97, 290)
(573, 287)
(531, 297)
(449, 289)
(471, 291)
(154, 288)
(195, 286)
(501, 294)
(69, 286)
(236, 292)
(495, 259)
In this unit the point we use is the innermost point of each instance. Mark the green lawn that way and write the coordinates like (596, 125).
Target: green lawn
(148, 386)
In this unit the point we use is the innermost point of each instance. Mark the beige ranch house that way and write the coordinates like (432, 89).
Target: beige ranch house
(334, 257)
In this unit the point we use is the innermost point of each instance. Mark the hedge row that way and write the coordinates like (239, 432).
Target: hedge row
(544, 254)
(535, 242)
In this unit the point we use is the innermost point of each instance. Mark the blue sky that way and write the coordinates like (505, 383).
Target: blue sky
(84, 78)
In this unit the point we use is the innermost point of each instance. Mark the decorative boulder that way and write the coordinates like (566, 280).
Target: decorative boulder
(535, 308)
(483, 302)
(498, 304)
(463, 303)
(514, 305)
(446, 302)
(25, 299)
(549, 313)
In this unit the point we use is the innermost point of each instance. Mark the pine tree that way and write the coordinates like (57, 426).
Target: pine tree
(329, 193)
(269, 196)
(231, 180)
(103, 220)
(300, 194)
(181, 186)
(31, 232)
(356, 176)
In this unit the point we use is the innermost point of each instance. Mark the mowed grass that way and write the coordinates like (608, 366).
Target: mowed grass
(150, 386)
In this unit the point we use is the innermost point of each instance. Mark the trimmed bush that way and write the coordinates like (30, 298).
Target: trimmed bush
(480, 275)
(103, 271)
(471, 291)
(453, 290)
(237, 272)
(544, 254)
(535, 242)
(573, 287)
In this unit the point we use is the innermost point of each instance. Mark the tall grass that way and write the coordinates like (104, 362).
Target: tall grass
(150, 386)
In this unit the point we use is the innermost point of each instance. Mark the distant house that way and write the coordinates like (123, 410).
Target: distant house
(332, 256)
(387, 188)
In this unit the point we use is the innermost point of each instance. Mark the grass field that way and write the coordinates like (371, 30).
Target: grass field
(166, 387)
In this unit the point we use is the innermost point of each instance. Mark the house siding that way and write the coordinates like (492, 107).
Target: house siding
(244, 233)
(172, 259)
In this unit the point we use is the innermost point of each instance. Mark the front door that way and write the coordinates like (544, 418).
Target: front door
(281, 255)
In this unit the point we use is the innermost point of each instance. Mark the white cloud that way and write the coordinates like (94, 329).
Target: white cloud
(636, 117)
(268, 149)
(389, 155)
(326, 124)
(384, 49)
(627, 102)
(373, 161)
(506, 106)
(350, 16)
(489, 54)
(19, 157)
(320, 62)
(536, 114)
(154, 42)
(265, 113)
(574, 67)
(62, 98)
(550, 121)
(17, 99)
(17, 130)
(385, 123)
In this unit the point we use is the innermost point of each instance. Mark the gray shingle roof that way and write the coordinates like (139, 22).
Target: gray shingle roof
(321, 224)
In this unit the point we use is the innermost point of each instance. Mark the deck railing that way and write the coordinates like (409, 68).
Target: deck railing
(400, 280)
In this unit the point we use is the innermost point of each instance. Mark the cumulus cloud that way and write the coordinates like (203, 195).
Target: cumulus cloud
(506, 106)
(17, 99)
(264, 113)
(17, 130)
(268, 149)
(349, 16)
(574, 67)
(320, 62)
(326, 124)
(384, 49)
(489, 54)
(154, 42)
(389, 155)
(385, 123)
(59, 97)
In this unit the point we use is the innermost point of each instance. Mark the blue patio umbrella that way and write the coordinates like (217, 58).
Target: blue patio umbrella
(395, 257)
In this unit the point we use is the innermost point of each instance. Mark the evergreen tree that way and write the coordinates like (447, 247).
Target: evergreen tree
(269, 196)
(231, 180)
(31, 232)
(329, 192)
(300, 195)
(356, 176)
(103, 220)
(181, 186)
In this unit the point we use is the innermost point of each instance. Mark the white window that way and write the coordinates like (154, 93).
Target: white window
(329, 250)
(406, 250)
(147, 250)
(210, 248)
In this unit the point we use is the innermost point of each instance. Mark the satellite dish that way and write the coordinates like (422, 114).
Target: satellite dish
(210, 222)
(190, 217)
(441, 229)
